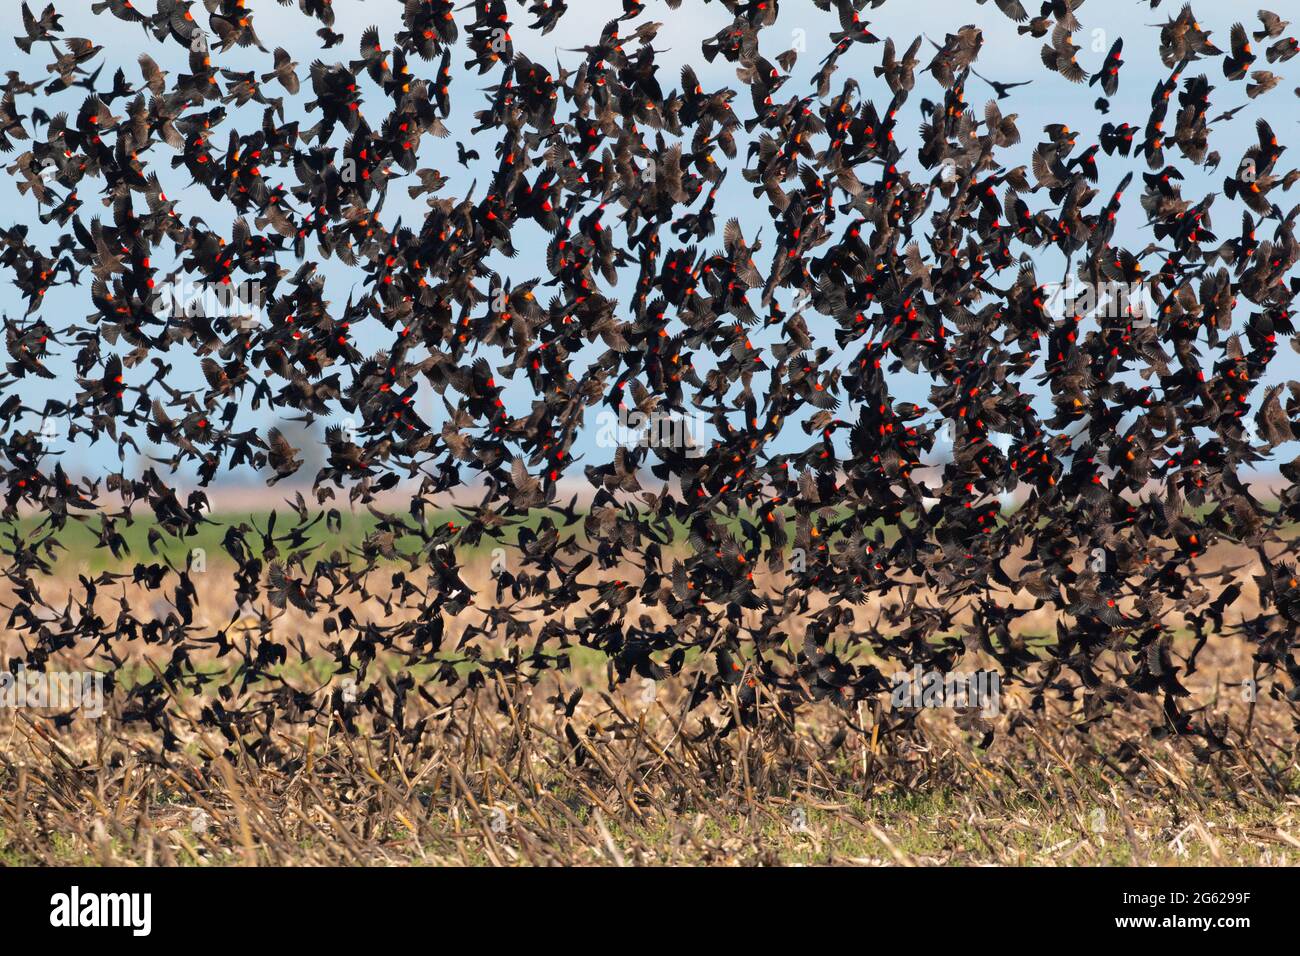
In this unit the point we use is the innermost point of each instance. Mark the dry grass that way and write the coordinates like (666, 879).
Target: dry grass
(497, 783)
(495, 779)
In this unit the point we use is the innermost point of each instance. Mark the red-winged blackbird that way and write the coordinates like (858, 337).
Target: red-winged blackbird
(859, 383)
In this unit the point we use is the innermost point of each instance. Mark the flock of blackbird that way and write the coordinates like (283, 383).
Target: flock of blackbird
(1085, 461)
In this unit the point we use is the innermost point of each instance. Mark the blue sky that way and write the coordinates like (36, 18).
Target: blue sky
(1006, 56)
